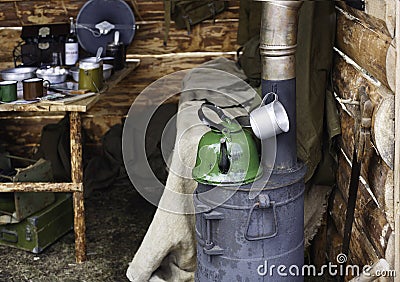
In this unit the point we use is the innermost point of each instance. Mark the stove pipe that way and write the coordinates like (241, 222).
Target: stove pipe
(278, 41)
(241, 237)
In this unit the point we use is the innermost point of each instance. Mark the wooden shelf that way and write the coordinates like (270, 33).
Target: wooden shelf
(78, 106)
(81, 106)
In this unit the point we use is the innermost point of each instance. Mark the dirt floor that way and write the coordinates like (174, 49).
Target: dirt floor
(117, 219)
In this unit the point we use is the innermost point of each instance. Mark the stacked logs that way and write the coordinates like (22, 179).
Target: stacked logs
(364, 58)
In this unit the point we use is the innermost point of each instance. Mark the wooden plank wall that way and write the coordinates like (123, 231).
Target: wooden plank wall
(207, 40)
(364, 58)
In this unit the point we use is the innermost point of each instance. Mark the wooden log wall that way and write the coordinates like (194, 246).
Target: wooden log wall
(206, 41)
(209, 36)
(364, 59)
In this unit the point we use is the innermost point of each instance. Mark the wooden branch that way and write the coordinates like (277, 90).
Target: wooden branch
(76, 147)
(77, 177)
(365, 40)
(40, 187)
(79, 227)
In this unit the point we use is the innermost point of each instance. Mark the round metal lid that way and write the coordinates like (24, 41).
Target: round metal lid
(98, 20)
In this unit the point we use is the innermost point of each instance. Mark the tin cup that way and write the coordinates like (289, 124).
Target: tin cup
(118, 52)
(269, 120)
(8, 91)
(34, 88)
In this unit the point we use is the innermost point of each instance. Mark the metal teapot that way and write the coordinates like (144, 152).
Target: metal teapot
(227, 155)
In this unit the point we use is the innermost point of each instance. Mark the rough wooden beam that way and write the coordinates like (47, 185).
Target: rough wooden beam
(377, 175)
(365, 40)
(40, 187)
(77, 177)
(347, 81)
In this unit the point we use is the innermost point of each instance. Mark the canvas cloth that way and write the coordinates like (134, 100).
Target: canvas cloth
(168, 250)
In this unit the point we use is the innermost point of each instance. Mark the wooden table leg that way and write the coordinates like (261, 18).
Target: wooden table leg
(77, 177)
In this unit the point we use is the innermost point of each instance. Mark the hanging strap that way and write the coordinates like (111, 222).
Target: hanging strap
(362, 138)
(167, 17)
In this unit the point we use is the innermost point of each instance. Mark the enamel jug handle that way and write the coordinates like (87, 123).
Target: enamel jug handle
(209, 122)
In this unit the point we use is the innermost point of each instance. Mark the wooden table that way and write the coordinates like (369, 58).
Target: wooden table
(74, 109)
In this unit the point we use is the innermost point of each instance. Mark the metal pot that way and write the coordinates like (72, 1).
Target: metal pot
(18, 74)
(227, 155)
(107, 71)
(91, 74)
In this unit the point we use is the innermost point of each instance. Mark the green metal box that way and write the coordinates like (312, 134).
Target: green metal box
(41, 229)
(14, 207)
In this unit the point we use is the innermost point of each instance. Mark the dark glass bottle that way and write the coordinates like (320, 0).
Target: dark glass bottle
(71, 46)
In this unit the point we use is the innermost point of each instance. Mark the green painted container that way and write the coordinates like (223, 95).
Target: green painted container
(14, 207)
(91, 74)
(226, 155)
(41, 229)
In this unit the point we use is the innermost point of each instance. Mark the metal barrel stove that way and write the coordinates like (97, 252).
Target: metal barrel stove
(258, 239)
(261, 238)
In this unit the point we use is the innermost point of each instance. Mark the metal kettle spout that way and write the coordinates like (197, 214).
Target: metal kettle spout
(224, 163)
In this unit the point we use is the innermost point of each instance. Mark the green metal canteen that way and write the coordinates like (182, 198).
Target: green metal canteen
(226, 155)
